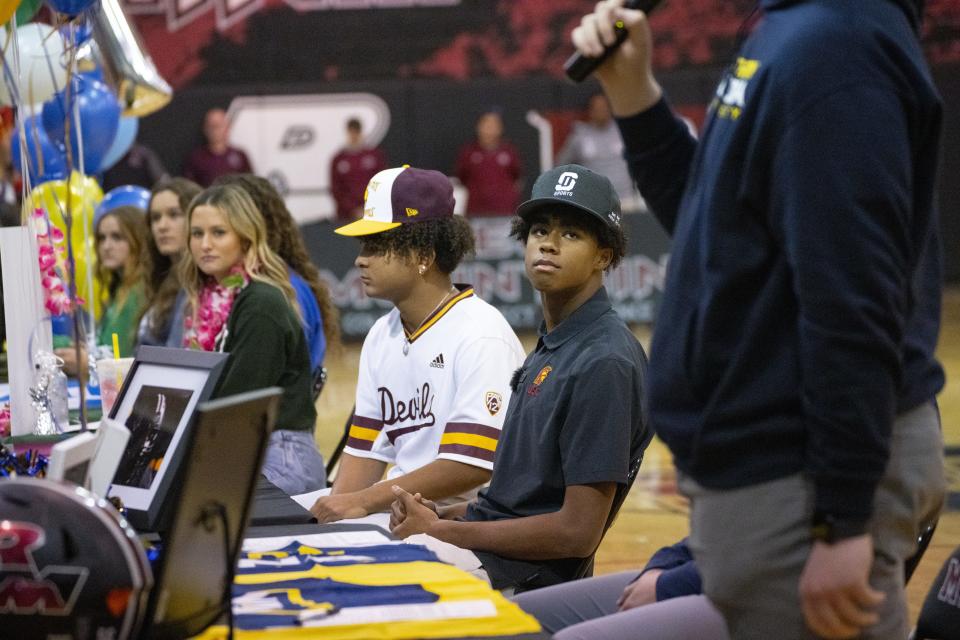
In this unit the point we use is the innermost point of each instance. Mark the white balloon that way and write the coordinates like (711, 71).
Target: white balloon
(42, 64)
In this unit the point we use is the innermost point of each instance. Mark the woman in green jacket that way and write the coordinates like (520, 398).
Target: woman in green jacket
(123, 262)
(239, 301)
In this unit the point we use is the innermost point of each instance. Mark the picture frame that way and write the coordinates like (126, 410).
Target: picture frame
(157, 403)
(70, 459)
(90, 459)
(112, 439)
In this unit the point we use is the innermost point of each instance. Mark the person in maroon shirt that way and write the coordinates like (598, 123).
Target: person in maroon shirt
(351, 170)
(489, 167)
(217, 157)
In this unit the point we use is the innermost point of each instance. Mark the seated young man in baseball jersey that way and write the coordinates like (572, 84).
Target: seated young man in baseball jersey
(575, 420)
(434, 372)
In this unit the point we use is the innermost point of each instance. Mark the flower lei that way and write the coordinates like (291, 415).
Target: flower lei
(51, 247)
(5, 420)
(203, 329)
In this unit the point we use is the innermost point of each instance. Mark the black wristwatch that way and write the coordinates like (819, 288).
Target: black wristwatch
(830, 529)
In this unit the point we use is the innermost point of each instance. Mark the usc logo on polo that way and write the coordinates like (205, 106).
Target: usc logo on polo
(565, 183)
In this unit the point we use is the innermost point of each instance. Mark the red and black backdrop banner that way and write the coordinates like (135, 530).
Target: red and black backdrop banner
(222, 41)
(438, 63)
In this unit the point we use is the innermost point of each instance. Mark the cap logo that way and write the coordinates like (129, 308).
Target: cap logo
(412, 212)
(368, 213)
(566, 183)
(614, 217)
(373, 185)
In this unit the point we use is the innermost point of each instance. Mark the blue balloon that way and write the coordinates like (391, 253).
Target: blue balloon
(99, 120)
(126, 136)
(39, 145)
(77, 32)
(71, 7)
(129, 195)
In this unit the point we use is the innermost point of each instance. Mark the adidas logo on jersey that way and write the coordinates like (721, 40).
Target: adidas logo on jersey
(437, 362)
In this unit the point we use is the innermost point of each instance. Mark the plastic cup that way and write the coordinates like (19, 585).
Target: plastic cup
(111, 374)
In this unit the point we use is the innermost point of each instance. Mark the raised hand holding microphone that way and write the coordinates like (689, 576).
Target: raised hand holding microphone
(579, 67)
(627, 73)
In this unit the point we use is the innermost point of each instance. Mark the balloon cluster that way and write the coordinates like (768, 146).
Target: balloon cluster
(78, 89)
(29, 463)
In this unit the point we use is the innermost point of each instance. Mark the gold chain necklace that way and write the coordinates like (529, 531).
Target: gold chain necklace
(406, 342)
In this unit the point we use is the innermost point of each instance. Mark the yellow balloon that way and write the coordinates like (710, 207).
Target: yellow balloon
(85, 195)
(7, 9)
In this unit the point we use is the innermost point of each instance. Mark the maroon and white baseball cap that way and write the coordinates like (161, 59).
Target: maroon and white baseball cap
(403, 195)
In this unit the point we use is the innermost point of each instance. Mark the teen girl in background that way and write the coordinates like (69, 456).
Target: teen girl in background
(162, 324)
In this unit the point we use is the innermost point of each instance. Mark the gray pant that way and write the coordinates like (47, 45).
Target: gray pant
(751, 543)
(587, 610)
(293, 462)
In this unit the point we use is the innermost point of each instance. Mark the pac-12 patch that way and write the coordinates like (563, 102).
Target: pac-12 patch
(493, 402)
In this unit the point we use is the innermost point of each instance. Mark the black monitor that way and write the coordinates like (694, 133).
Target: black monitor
(199, 551)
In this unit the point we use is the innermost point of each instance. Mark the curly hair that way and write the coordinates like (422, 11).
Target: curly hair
(606, 237)
(446, 240)
(285, 239)
(259, 260)
(163, 285)
(118, 283)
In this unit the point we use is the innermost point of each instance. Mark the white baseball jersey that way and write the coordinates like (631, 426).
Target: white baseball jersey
(446, 397)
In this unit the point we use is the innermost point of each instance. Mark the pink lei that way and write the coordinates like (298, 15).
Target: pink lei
(203, 330)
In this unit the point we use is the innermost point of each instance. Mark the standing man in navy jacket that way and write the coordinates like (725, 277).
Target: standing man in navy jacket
(792, 369)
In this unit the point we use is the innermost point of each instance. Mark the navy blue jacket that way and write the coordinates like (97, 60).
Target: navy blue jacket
(802, 302)
(680, 576)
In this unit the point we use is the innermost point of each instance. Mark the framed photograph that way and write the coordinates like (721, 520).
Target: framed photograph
(90, 460)
(157, 403)
(70, 459)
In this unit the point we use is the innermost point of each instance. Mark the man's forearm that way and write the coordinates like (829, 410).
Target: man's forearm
(453, 511)
(356, 474)
(548, 536)
(435, 481)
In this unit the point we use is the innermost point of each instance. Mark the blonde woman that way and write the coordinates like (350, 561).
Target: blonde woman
(239, 301)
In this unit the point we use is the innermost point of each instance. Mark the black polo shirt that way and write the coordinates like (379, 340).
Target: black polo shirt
(575, 417)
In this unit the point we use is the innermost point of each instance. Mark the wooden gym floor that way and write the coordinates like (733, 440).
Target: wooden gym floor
(654, 514)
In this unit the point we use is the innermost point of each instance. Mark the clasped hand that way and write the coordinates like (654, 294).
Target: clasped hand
(411, 514)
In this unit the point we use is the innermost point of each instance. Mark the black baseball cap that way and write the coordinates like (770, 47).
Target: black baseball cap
(575, 186)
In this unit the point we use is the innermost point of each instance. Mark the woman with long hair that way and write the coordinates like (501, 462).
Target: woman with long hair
(239, 301)
(319, 316)
(120, 241)
(162, 324)
(123, 261)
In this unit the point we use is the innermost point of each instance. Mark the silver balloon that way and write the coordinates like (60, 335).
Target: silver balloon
(126, 65)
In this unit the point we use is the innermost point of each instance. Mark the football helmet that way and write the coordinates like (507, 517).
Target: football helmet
(70, 565)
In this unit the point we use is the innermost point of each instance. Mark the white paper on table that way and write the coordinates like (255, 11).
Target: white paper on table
(401, 612)
(318, 540)
(306, 500)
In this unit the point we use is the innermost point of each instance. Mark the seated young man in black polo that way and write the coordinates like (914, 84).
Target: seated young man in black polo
(575, 420)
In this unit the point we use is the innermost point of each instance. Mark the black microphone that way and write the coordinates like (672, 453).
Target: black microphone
(578, 66)
(517, 379)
